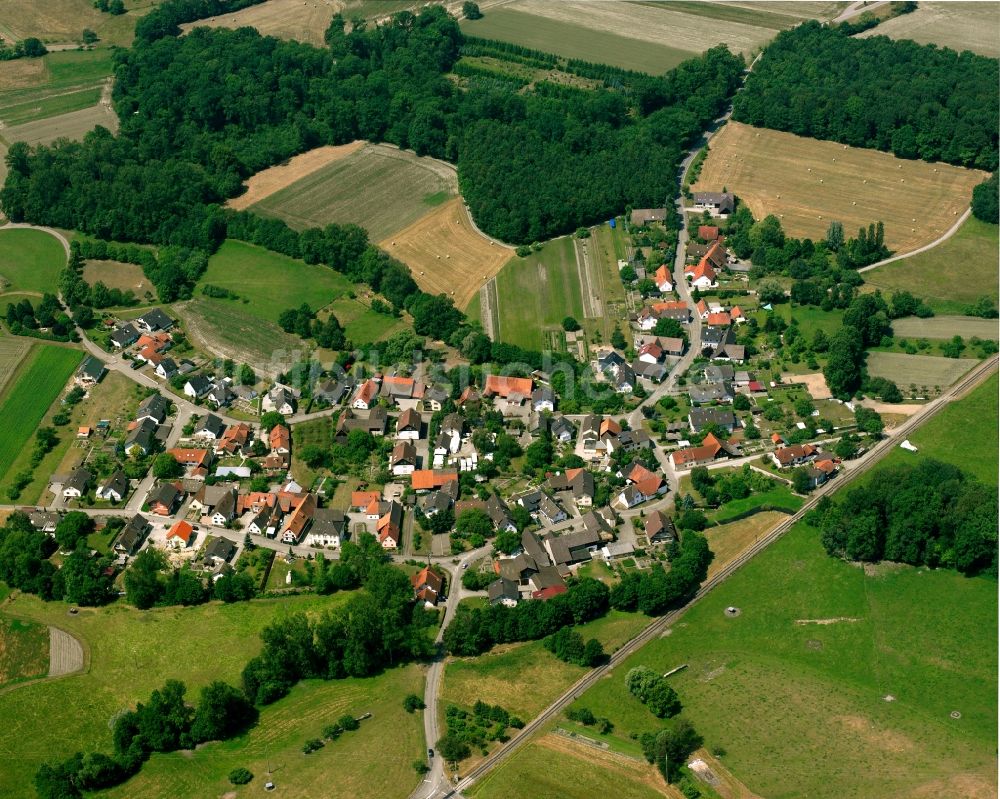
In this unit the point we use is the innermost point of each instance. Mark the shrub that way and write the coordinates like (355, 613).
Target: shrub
(312, 745)
(240, 776)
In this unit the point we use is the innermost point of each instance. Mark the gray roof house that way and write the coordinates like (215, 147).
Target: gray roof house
(153, 407)
(211, 426)
(154, 320)
(132, 535)
(90, 371)
(124, 335)
(114, 488)
(141, 436)
(700, 417)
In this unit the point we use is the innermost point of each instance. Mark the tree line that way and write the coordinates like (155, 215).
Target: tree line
(656, 591)
(929, 513)
(202, 112)
(915, 101)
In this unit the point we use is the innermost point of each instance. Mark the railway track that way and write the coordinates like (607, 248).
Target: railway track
(657, 627)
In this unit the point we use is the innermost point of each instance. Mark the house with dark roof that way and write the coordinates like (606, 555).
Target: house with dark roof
(333, 392)
(44, 521)
(210, 427)
(154, 407)
(154, 320)
(562, 429)
(408, 425)
(570, 548)
(197, 386)
(713, 392)
(503, 592)
(717, 203)
(166, 368)
(90, 372)
(219, 551)
(723, 417)
(225, 509)
(140, 438)
(77, 483)
(543, 399)
(115, 488)
(500, 515)
(281, 399)
(162, 499)
(132, 535)
(659, 528)
(328, 529)
(403, 458)
(124, 335)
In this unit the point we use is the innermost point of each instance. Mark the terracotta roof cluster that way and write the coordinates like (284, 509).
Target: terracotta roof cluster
(426, 479)
(506, 386)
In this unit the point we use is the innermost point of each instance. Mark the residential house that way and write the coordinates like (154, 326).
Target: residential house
(719, 373)
(403, 458)
(650, 353)
(154, 320)
(630, 440)
(281, 399)
(717, 256)
(643, 216)
(715, 202)
(377, 421)
(713, 392)
(435, 398)
(710, 450)
(551, 511)
(729, 352)
(124, 335)
(298, 522)
(623, 379)
(427, 585)
(181, 535)
(578, 481)
(166, 368)
(366, 396)
(197, 386)
(441, 500)
(651, 314)
(503, 592)
(219, 551)
(162, 499)
(695, 250)
(389, 527)
(115, 488)
(208, 497)
(794, 455)
(737, 315)
(234, 439)
(154, 407)
(723, 417)
(90, 372)
(77, 483)
(225, 509)
(469, 396)
(211, 427)
(328, 528)
(708, 232)
(562, 429)
(663, 279)
(280, 440)
(408, 425)
(616, 550)
(431, 479)
(140, 437)
(514, 390)
(267, 521)
(361, 500)
(610, 360)
(570, 548)
(192, 458)
(703, 277)
(404, 391)
(131, 536)
(543, 399)
(220, 394)
(332, 392)
(720, 319)
(659, 528)
(500, 515)
(44, 521)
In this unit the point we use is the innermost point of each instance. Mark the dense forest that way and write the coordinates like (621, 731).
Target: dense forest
(916, 101)
(930, 514)
(202, 112)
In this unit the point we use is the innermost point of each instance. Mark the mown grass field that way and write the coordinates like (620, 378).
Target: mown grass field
(446, 254)
(119, 275)
(535, 294)
(800, 706)
(554, 767)
(70, 125)
(960, 26)
(268, 283)
(49, 106)
(30, 260)
(950, 276)
(362, 324)
(525, 678)
(809, 183)
(923, 370)
(33, 389)
(779, 497)
(356, 765)
(132, 652)
(728, 541)
(24, 650)
(379, 187)
(964, 434)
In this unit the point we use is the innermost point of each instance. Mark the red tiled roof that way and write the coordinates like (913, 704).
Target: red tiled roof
(182, 530)
(279, 437)
(708, 232)
(548, 593)
(425, 479)
(663, 275)
(720, 319)
(367, 392)
(505, 386)
(189, 457)
(361, 499)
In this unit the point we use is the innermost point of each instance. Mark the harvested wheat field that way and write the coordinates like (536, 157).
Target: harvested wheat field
(303, 20)
(73, 125)
(272, 180)
(446, 254)
(808, 183)
(960, 26)
(118, 275)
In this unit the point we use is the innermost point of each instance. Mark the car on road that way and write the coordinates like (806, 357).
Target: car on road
(136, 365)
(430, 753)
